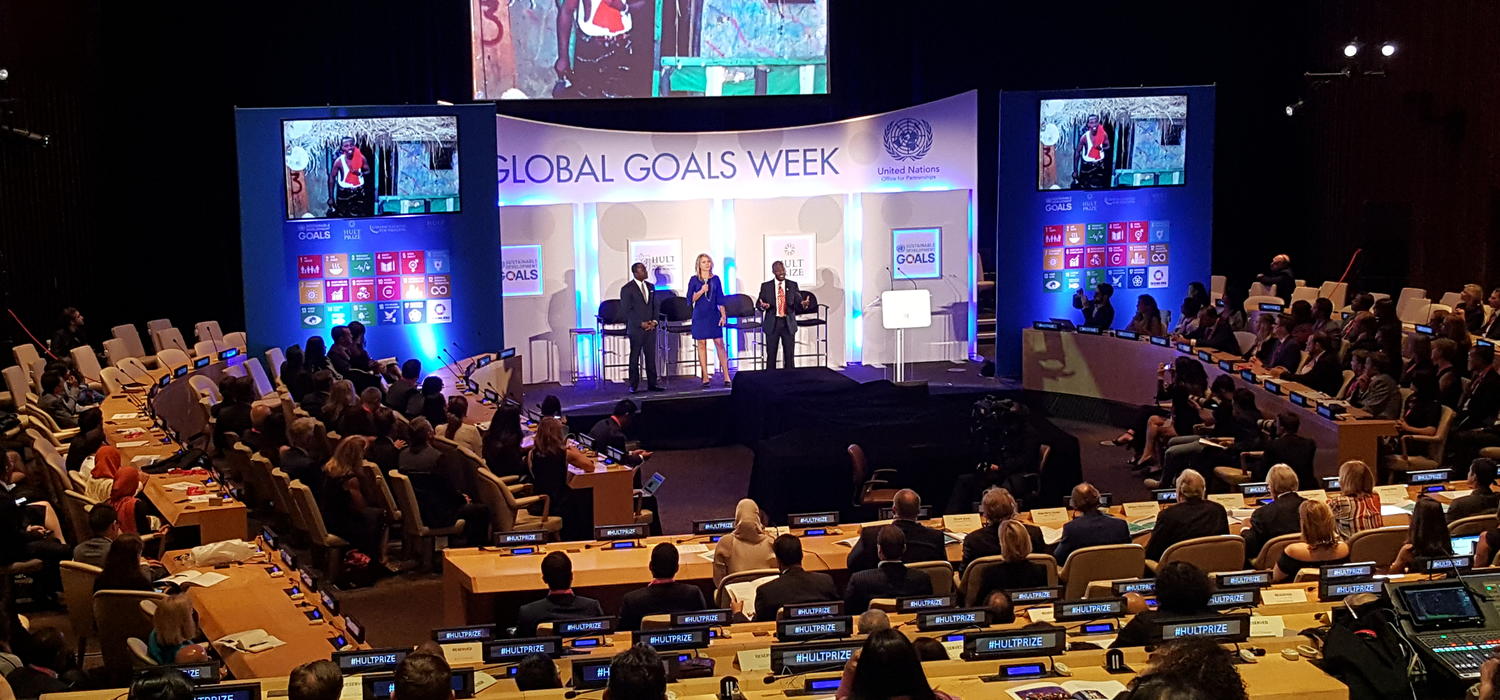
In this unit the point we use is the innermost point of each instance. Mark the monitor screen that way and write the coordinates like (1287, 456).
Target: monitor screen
(1463, 545)
(1042, 641)
(590, 674)
(1220, 628)
(835, 607)
(368, 661)
(701, 618)
(674, 639)
(1441, 605)
(1103, 143)
(513, 650)
(374, 166)
(227, 691)
(648, 48)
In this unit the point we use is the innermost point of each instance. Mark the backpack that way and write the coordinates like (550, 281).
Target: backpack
(1370, 655)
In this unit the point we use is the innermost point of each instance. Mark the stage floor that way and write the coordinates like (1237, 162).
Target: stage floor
(600, 397)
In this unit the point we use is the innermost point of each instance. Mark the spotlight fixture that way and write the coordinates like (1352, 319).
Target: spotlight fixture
(4, 75)
(1351, 49)
(1293, 108)
(1388, 49)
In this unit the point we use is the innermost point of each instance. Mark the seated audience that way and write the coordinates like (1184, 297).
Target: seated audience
(315, 680)
(1190, 669)
(54, 403)
(134, 512)
(160, 684)
(105, 527)
(384, 450)
(360, 420)
(232, 415)
(922, 543)
(1491, 327)
(122, 570)
(1184, 385)
(891, 578)
(1356, 507)
(404, 393)
(663, 595)
(341, 401)
(294, 374)
(501, 448)
(342, 500)
(1416, 357)
(1197, 298)
(1453, 328)
(322, 386)
(1091, 528)
(930, 649)
(1182, 590)
(466, 435)
(1359, 308)
(315, 355)
(1229, 417)
(1232, 307)
(1287, 354)
(1016, 570)
(560, 603)
(887, 667)
(173, 629)
(438, 486)
(69, 334)
(1321, 370)
(610, 432)
(1482, 498)
(1097, 312)
(997, 506)
(1279, 278)
(547, 466)
(1002, 611)
(795, 584)
(1147, 319)
(1280, 517)
(306, 451)
(1426, 536)
(1265, 342)
(1323, 320)
(748, 547)
(89, 439)
(637, 674)
(1445, 359)
(1192, 516)
(552, 407)
(48, 669)
(1320, 545)
(434, 406)
(872, 621)
(423, 677)
(1380, 393)
(1421, 416)
(1290, 449)
(537, 672)
(1214, 332)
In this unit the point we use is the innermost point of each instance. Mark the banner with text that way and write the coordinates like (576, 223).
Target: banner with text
(663, 261)
(798, 253)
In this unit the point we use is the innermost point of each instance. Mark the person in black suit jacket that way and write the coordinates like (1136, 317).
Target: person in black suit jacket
(642, 314)
(795, 585)
(610, 432)
(1290, 449)
(1214, 332)
(663, 595)
(560, 603)
(890, 579)
(1098, 312)
(1279, 278)
(1182, 590)
(1322, 371)
(1482, 498)
(780, 301)
(997, 506)
(1475, 425)
(1193, 516)
(1491, 329)
(922, 543)
(1016, 571)
(1277, 518)
(1092, 527)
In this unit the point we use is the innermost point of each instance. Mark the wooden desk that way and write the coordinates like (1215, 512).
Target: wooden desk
(253, 599)
(1115, 369)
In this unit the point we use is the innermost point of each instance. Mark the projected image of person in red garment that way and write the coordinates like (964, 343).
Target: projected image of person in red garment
(606, 61)
(1093, 153)
(350, 194)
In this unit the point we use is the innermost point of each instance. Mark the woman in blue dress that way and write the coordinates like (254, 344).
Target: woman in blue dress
(706, 294)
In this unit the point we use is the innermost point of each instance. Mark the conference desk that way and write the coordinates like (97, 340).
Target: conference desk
(1101, 366)
(130, 429)
(252, 598)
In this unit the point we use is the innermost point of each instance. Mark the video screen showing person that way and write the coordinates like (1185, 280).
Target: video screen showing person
(351, 168)
(574, 49)
(1112, 142)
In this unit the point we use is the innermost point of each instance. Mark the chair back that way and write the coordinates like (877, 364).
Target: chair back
(656, 622)
(168, 339)
(234, 340)
(86, 362)
(19, 387)
(1348, 379)
(119, 617)
(721, 594)
(140, 652)
(311, 513)
(115, 350)
(130, 338)
(1414, 310)
(1307, 294)
(611, 312)
(112, 379)
(1100, 563)
(1253, 302)
(677, 309)
(76, 509)
(274, 358)
(208, 330)
(134, 370)
(1211, 554)
(1047, 563)
(1216, 285)
(27, 356)
(282, 495)
(170, 357)
(206, 388)
(492, 492)
(371, 478)
(263, 386)
(406, 500)
(207, 348)
(1379, 545)
(258, 475)
(158, 324)
(1270, 552)
(941, 573)
(78, 594)
(739, 306)
(1473, 524)
(859, 467)
(810, 304)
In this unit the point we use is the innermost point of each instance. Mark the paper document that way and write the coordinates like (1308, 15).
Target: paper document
(250, 641)
(1050, 535)
(1073, 690)
(195, 578)
(131, 443)
(125, 416)
(745, 591)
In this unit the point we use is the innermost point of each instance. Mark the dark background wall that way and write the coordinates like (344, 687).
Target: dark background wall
(131, 214)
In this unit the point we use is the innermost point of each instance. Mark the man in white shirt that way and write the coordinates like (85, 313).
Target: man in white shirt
(642, 314)
(780, 301)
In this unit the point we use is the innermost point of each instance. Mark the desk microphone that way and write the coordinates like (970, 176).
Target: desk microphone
(577, 693)
(451, 371)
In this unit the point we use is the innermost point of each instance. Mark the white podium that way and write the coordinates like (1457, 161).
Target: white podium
(902, 309)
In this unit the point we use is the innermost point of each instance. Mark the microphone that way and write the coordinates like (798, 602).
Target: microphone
(729, 689)
(577, 693)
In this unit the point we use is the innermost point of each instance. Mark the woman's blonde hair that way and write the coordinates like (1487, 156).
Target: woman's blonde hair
(174, 621)
(1317, 524)
(550, 437)
(1015, 542)
(346, 457)
(698, 262)
(1356, 479)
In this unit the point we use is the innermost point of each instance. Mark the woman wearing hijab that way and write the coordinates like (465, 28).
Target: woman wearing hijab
(134, 512)
(106, 464)
(748, 547)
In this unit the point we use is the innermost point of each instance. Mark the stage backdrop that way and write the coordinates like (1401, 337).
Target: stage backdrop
(383, 215)
(1101, 186)
(854, 208)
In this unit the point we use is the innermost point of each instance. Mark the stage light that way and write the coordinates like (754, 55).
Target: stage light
(4, 75)
(1388, 49)
(1293, 108)
(1351, 49)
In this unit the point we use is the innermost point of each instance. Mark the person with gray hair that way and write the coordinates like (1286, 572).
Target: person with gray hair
(872, 621)
(997, 506)
(922, 543)
(1280, 516)
(1192, 516)
(1092, 528)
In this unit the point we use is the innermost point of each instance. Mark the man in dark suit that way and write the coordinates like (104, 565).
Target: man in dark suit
(922, 543)
(1279, 278)
(1477, 424)
(663, 595)
(560, 603)
(642, 314)
(1092, 527)
(1282, 516)
(997, 506)
(795, 584)
(780, 301)
(1482, 498)
(1097, 313)
(1290, 449)
(1491, 330)
(1193, 516)
(1215, 333)
(890, 579)
(1322, 371)
(610, 432)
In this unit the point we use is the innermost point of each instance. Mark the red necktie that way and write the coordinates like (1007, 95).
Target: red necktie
(780, 300)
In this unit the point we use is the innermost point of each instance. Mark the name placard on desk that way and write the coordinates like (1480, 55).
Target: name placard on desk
(1391, 494)
(1228, 500)
(1050, 516)
(1283, 596)
(1314, 495)
(963, 523)
(1141, 509)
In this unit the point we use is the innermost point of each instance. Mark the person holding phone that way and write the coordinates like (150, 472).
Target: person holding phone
(1097, 312)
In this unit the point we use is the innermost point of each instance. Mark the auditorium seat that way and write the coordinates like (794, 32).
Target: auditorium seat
(677, 312)
(1415, 310)
(815, 317)
(115, 350)
(172, 358)
(207, 348)
(29, 412)
(941, 573)
(420, 539)
(168, 338)
(741, 317)
(1419, 451)
(27, 357)
(113, 380)
(378, 494)
(1102, 562)
(721, 594)
(1472, 525)
(120, 617)
(871, 489)
(87, 364)
(508, 513)
(1348, 379)
(1307, 294)
(1334, 292)
(331, 546)
(1490, 452)
(274, 358)
(1434, 309)
(1212, 553)
(609, 322)
(130, 337)
(1450, 299)
(1216, 286)
(1270, 552)
(282, 493)
(264, 389)
(256, 475)
(234, 340)
(1379, 545)
(1253, 302)
(208, 330)
(78, 594)
(135, 371)
(205, 388)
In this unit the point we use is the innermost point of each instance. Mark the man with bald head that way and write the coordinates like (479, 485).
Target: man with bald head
(922, 543)
(1193, 516)
(890, 579)
(1092, 528)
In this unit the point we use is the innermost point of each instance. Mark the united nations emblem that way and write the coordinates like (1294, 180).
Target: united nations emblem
(908, 139)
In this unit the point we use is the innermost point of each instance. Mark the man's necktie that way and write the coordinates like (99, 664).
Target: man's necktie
(780, 300)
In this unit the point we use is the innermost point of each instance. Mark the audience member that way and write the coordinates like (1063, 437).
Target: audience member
(890, 578)
(1454, 329)
(1321, 370)
(384, 450)
(1287, 353)
(1182, 590)
(322, 386)
(438, 484)
(560, 602)
(1192, 516)
(637, 674)
(434, 406)
(1097, 312)
(53, 402)
(294, 374)
(161, 684)
(922, 543)
(306, 451)
(552, 407)
(360, 420)
(1359, 308)
(748, 547)
(134, 512)
(341, 401)
(1197, 298)
(1320, 545)
(1182, 451)
(997, 506)
(536, 672)
(1417, 357)
(89, 439)
(1232, 308)
(1147, 319)
(930, 649)
(795, 584)
(610, 432)
(1264, 345)
(122, 569)
(887, 667)
(1015, 570)
(1000, 608)
(1475, 427)
(1215, 333)
(1279, 278)
(1381, 395)
(1445, 359)
(173, 629)
(1426, 535)
(48, 667)
(346, 513)
(1189, 669)
(547, 466)
(231, 416)
(1482, 498)
(315, 680)
(663, 595)
(69, 333)
(1091, 528)
(423, 677)
(1279, 517)
(466, 435)
(104, 525)
(1184, 385)
(1323, 320)
(1290, 449)
(872, 621)
(501, 448)
(1491, 327)
(404, 393)
(1356, 507)
(1421, 417)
